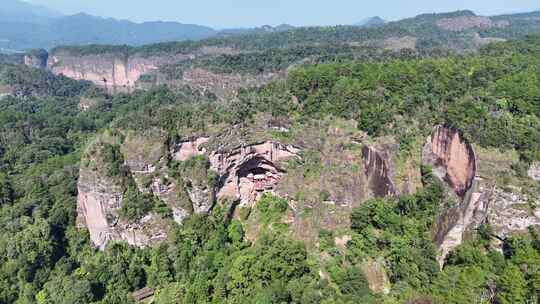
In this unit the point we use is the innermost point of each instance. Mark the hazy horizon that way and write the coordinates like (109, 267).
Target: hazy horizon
(246, 13)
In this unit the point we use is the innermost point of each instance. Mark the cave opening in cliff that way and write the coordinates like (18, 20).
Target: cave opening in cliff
(259, 174)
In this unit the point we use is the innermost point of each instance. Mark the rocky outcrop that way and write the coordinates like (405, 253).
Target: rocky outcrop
(479, 199)
(376, 277)
(123, 69)
(36, 59)
(507, 212)
(453, 161)
(462, 23)
(86, 103)
(100, 197)
(451, 157)
(377, 170)
(454, 224)
(188, 186)
(534, 171)
(190, 148)
(246, 172)
(111, 70)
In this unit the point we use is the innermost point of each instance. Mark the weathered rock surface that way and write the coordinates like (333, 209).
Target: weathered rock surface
(377, 170)
(452, 159)
(5, 91)
(99, 200)
(244, 173)
(248, 171)
(480, 200)
(507, 212)
(454, 224)
(119, 70)
(190, 148)
(224, 85)
(113, 71)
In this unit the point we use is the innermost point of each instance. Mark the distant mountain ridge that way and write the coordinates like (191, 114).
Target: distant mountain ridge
(41, 28)
(371, 22)
(27, 26)
(20, 11)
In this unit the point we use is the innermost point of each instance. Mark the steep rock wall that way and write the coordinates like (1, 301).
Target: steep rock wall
(190, 148)
(243, 174)
(36, 59)
(113, 71)
(452, 159)
(121, 70)
(377, 170)
(479, 199)
(248, 171)
(100, 196)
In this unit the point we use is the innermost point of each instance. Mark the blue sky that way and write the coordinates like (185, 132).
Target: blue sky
(238, 13)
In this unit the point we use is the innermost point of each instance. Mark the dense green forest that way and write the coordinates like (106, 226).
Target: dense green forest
(279, 59)
(493, 96)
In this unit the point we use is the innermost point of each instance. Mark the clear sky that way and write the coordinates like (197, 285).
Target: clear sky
(245, 13)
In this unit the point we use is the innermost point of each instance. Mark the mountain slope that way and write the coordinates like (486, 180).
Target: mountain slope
(87, 29)
(20, 11)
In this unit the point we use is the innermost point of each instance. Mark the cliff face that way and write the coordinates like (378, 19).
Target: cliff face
(113, 71)
(324, 174)
(452, 159)
(36, 59)
(480, 200)
(224, 85)
(100, 197)
(246, 172)
(377, 170)
(242, 174)
(123, 71)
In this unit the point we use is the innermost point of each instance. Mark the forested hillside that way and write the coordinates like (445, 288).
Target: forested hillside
(324, 234)
(224, 64)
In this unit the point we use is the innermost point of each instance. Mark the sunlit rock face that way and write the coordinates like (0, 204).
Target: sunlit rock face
(248, 171)
(113, 71)
(243, 175)
(451, 158)
(190, 148)
(479, 199)
(453, 161)
(98, 202)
